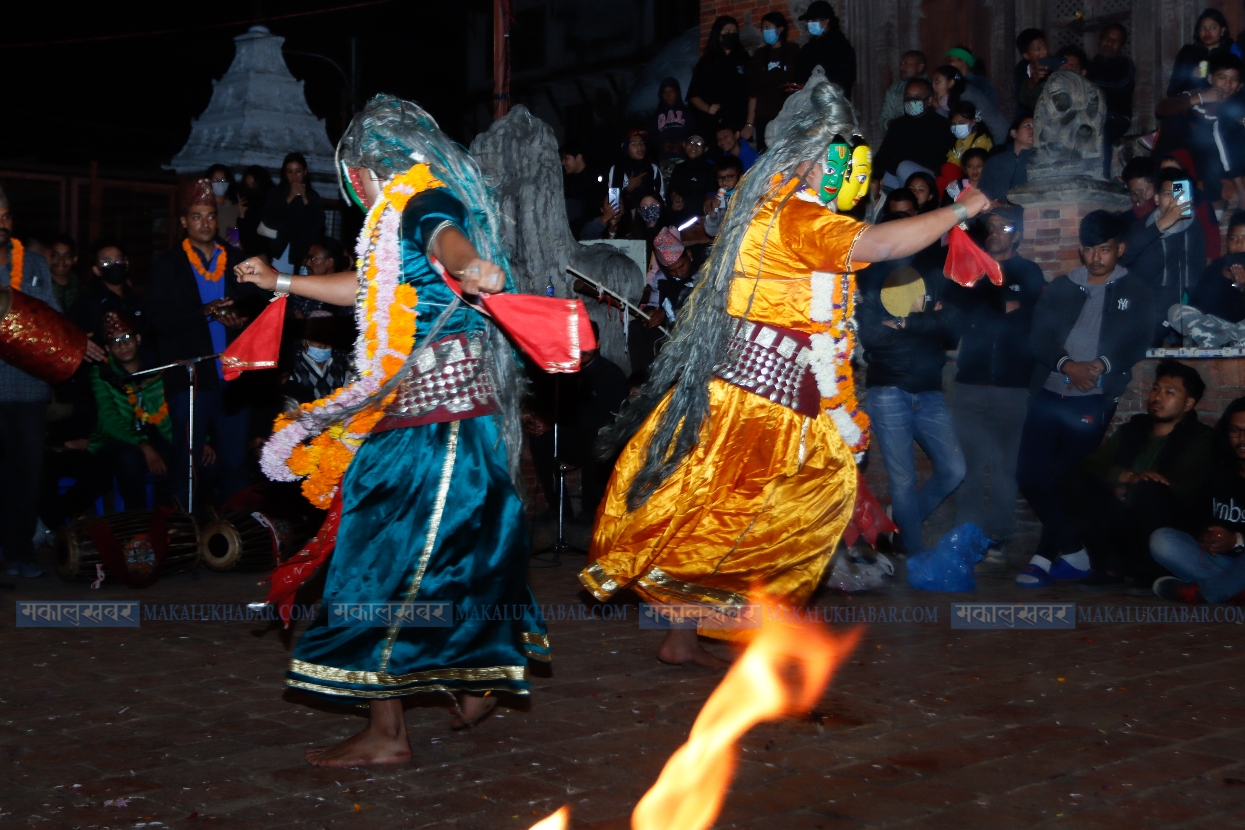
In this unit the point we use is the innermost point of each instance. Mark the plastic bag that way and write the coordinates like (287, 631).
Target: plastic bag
(852, 574)
(949, 566)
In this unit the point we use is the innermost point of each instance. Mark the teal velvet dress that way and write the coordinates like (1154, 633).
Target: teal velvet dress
(429, 515)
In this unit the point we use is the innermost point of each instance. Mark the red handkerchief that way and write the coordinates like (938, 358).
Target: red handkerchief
(260, 345)
(967, 263)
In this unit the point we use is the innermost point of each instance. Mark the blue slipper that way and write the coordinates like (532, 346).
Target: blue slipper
(1062, 570)
(1041, 577)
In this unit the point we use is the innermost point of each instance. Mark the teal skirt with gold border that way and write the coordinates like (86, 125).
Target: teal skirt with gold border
(429, 517)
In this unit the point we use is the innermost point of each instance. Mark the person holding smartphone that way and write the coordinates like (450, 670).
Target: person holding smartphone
(1035, 66)
(1168, 249)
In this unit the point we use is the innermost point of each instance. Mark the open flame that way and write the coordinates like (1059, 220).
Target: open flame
(783, 672)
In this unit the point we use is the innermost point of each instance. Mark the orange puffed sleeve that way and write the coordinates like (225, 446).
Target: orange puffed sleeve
(821, 239)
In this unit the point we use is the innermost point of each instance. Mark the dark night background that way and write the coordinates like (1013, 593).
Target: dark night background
(127, 101)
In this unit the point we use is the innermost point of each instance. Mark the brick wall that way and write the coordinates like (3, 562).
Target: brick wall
(1050, 237)
(747, 12)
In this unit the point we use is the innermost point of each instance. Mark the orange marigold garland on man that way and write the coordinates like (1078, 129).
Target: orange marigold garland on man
(416, 457)
(736, 470)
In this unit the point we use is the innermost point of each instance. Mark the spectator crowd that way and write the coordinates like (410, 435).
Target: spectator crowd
(1040, 361)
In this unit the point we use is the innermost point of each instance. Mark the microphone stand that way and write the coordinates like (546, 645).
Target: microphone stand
(560, 545)
(190, 425)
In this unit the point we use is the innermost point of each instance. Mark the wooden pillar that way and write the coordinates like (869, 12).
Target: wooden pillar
(94, 217)
(501, 58)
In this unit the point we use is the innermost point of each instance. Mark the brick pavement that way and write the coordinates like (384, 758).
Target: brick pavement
(1110, 725)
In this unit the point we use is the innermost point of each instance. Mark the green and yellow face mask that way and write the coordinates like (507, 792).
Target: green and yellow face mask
(848, 168)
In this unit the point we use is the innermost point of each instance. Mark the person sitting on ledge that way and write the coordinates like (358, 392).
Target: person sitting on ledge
(1140, 479)
(1221, 291)
(1207, 563)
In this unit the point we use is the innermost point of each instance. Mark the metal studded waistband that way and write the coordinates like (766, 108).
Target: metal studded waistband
(772, 362)
(448, 383)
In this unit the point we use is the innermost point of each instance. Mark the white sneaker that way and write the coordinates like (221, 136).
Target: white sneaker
(30, 570)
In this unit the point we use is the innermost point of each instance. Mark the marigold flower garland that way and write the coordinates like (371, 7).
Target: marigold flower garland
(385, 314)
(17, 256)
(217, 271)
(154, 418)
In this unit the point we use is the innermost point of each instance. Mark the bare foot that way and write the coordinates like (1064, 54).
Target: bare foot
(382, 742)
(472, 709)
(682, 648)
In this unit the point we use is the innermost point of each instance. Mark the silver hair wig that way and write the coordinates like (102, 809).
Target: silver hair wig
(809, 121)
(389, 137)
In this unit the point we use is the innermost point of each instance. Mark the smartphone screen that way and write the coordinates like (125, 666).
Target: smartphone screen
(615, 197)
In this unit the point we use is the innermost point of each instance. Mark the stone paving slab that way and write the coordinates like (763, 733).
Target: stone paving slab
(182, 724)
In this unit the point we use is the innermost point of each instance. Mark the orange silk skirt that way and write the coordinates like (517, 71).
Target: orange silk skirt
(758, 505)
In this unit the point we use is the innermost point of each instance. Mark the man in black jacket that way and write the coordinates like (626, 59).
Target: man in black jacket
(1207, 560)
(905, 333)
(992, 385)
(195, 307)
(920, 134)
(1139, 480)
(1167, 249)
(1089, 329)
(827, 47)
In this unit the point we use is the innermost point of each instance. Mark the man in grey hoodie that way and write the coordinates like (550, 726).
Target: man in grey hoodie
(1168, 250)
(1088, 330)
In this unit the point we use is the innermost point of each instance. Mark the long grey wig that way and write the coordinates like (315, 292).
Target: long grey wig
(389, 137)
(802, 132)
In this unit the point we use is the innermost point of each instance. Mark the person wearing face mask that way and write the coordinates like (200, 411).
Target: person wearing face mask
(227, 211)
(771, 77)
(110, 291)
(952, 89)
(718, 91)
(920, 135)
(827, 47)
(317, 370)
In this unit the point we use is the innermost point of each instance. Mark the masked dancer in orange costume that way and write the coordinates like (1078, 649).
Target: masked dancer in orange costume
(736, 470)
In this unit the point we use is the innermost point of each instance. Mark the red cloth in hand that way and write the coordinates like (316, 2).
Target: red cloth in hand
(260, 345)
(551, 331)
(967, 262)
(868, 517)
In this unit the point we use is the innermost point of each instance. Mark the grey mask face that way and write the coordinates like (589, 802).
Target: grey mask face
(914, 108)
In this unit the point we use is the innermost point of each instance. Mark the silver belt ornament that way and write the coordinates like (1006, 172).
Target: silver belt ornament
(451, 374)
(766, 362)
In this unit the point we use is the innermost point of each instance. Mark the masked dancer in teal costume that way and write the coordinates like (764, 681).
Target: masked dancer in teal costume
(428, 439)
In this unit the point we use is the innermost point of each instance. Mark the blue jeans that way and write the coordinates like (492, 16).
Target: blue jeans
(1058, 433)
(1217, 577)
(899, 418)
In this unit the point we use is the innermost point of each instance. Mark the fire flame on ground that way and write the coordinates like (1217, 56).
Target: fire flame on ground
(783, 672)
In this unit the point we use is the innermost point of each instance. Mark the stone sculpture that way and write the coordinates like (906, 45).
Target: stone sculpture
(1068, 128)
(519, 155)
